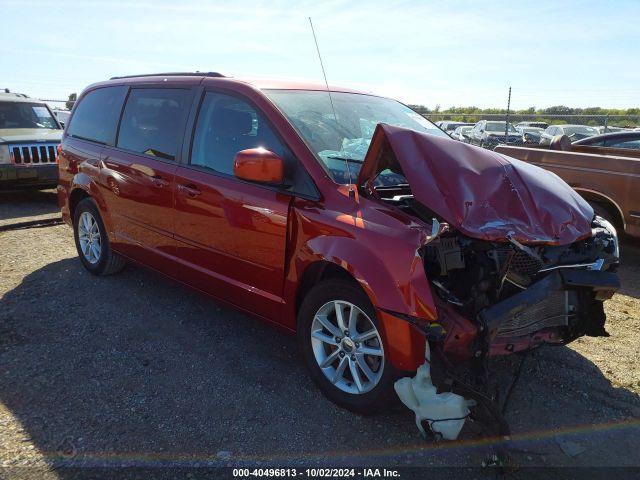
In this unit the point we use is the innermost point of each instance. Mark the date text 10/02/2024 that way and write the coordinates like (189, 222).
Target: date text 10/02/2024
(316, 472)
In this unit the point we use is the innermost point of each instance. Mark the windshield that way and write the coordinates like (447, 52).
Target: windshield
(580, 130)
(25, 115)
(499, 127)
(346, 140)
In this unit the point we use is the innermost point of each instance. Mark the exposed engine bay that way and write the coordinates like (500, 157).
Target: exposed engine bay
(516, 290)
(516, 296)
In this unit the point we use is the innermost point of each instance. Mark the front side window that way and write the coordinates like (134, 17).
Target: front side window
(225, 126)
(26, 115)
(96, 116)
(153, 121)
(344, 136)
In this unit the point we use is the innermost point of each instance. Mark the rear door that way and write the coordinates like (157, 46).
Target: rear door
(138, 174)
(231, 234)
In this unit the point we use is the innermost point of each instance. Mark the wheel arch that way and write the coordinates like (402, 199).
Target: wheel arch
(407, 293)
(77, 195)
(317, 272)
(607, 203)
(83, 186)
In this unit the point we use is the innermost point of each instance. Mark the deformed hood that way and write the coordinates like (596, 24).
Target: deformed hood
(481, 193)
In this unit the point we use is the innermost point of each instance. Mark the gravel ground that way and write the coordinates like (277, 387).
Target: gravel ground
(135, 369)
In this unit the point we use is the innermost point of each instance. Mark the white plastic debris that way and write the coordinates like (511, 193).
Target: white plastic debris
(445, 412)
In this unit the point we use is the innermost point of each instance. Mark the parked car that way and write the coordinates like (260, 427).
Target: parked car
(574, 132)
(607, 177)
(29, 137)
(62, 116)
(624, 139)
(450, 126)
(541, 125)
(530, 135)
(462, 133)
(368, 239)
(609, 129)
(488, 134)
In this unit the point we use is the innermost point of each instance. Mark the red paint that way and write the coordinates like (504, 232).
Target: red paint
(259, 165)
(251, 244)
(483, 194)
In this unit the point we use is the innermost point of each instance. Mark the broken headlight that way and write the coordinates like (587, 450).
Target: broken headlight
(605, 233)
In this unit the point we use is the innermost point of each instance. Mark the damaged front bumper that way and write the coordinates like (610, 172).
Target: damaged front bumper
(564, 305)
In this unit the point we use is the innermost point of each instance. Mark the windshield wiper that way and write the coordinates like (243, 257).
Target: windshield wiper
(353, 160)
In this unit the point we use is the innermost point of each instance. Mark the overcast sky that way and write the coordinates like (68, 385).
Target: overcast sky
(456, 53)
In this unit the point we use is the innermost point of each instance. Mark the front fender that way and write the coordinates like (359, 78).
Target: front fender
(392, 276)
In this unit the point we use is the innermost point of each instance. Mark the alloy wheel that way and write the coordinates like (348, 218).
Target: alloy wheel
(89, 237)
(347, 347)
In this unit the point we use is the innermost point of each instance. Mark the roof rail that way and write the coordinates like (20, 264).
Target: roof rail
(173, 74)
(15, 94)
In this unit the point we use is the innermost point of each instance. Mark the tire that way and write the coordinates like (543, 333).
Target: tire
(371, 394)
(100, 260)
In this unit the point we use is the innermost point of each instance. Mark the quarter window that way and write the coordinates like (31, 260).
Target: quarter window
(153, 121)
(225, 126)
(96, 116)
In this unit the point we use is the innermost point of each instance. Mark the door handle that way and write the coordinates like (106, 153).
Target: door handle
(189, 190)
(158, 181)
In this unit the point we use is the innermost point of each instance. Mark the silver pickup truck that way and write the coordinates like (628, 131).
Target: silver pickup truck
(29, 137)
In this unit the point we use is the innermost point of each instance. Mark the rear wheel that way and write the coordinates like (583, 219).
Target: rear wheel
(340, 340)
(92, 241)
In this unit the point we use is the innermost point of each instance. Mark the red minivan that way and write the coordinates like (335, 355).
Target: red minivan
(345, 217)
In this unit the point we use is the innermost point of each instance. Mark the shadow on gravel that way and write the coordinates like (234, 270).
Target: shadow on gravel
(27, 203)
(137, 370)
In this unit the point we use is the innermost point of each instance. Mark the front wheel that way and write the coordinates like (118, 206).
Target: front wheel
(340, 340)
(92, 241)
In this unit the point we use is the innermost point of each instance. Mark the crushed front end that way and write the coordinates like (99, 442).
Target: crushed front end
(515, 258)
(516, 297)
(501, 298)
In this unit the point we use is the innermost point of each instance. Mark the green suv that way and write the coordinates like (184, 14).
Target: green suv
(29, 137)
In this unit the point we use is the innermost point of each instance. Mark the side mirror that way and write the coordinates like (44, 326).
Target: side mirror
(259, 165)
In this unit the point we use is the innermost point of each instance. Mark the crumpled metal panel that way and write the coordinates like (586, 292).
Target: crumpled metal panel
(481, 193)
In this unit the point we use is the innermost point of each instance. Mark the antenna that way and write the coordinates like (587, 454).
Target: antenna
(335, 117)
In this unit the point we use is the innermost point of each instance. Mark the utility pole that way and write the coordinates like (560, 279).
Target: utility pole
(506, 124)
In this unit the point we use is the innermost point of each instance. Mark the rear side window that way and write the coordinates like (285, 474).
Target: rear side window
(96, 116)
(153, 121)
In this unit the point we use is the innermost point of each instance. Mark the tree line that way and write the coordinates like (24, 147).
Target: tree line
(613, 116)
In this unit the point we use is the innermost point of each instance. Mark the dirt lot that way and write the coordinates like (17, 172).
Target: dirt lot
(135, 369)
